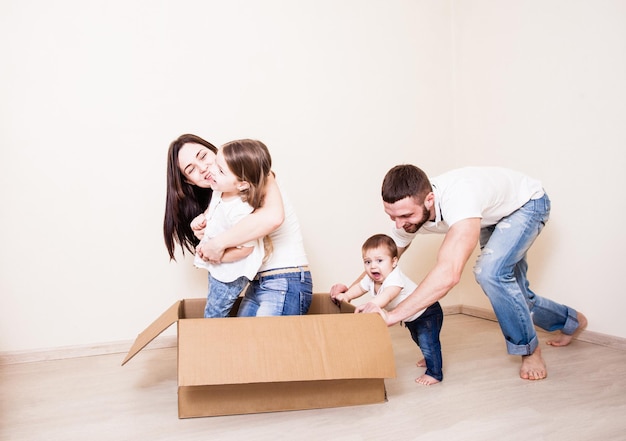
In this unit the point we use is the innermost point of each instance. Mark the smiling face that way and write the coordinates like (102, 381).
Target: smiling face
(194, 162)
(378, 263)
(408, 214)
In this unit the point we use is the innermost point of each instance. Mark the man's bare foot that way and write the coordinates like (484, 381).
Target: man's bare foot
(565, 339)
(421, 363)
(533, 366)
(426, 380)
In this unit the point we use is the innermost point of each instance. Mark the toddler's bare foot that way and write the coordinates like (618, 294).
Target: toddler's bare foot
(421, 363)
(426, 380)
(533, 366)
(565, 339)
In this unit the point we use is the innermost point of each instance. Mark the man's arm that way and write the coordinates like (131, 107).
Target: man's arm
(457, 246)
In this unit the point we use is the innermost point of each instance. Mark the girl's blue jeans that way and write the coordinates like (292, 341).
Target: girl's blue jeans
(222, 296)
(501, 272)
(278, 294)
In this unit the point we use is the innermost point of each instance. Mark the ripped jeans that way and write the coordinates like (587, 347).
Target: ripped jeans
(501, 272)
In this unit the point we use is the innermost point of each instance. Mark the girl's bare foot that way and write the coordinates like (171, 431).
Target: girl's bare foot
(421, 363)
(533, 366)
(426, 380)
(565, 339)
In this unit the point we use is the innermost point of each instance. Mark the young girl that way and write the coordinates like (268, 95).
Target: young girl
(238, 179)
(389, 286)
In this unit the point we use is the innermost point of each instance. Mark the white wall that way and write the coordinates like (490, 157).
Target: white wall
(340, 91)
(540, 86)
(93, 92)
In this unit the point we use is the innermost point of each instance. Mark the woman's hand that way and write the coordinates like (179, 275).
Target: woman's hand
(210, 250)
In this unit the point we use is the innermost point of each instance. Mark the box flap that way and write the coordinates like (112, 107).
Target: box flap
(321, 303)
(192, 308)
(282, 349)
(168, 318)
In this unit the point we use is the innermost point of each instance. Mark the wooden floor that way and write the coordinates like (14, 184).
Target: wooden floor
(481, 398)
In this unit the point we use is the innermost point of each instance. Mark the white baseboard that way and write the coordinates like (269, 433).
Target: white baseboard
(169, 341)
(163, 341)
(596, 338)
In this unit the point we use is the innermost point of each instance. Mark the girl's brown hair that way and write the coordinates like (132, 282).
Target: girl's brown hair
(250, 161)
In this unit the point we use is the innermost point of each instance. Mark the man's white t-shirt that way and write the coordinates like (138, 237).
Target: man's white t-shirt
(488, 193)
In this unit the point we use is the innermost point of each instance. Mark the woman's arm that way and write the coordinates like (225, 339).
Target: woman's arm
(235, 254)
(260, 223)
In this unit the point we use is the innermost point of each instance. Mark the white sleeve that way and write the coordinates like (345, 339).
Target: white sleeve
(401, 237)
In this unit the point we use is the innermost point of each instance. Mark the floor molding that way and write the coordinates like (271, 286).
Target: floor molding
(169, 341)
(596, 338)
(122, 347)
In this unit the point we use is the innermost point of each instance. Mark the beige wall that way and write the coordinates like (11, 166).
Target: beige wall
(340, 91)
(540, 87)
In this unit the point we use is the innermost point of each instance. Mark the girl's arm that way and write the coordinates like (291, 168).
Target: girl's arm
(260, 223)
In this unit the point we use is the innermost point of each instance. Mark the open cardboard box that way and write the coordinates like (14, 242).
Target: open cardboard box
(238, 365)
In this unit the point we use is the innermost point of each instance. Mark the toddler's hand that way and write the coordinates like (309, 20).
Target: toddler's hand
(198, 224)
(372, 307)
(337, 289)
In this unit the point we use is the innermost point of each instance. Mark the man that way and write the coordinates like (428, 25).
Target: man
(502, 210)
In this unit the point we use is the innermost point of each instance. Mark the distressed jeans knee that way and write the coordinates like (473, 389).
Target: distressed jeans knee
(501, 272)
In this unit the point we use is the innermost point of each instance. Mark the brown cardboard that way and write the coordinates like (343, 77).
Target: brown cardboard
(237, 365)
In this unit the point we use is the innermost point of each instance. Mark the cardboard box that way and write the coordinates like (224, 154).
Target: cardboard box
(238, 365)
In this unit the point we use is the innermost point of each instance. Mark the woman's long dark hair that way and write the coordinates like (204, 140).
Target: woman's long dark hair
(183, 201)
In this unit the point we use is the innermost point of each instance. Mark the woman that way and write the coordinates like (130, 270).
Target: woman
(283, 285)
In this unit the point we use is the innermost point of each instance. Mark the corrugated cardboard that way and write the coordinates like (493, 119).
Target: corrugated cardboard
(237, 365)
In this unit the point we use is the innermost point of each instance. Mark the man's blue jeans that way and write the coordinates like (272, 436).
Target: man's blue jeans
(501, 272)
(278, 294)
(425, 332)
(222, 296)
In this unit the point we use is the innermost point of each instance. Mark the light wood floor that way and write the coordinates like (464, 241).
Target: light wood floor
(481, 398)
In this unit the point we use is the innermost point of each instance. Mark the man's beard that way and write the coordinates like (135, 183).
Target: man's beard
(412, 228)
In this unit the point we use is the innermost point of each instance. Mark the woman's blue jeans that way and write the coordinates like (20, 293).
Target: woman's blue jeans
(501, 272)
(278, 294)
(425, 332)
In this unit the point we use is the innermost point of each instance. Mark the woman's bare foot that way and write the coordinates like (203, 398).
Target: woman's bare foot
(421, 363)
(426, 380)
(565, 339)
(533, 366)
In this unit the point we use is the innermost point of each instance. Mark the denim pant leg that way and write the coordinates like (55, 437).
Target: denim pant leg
(222, 296)
(501, 272)
(278, 294)
(425, 332)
